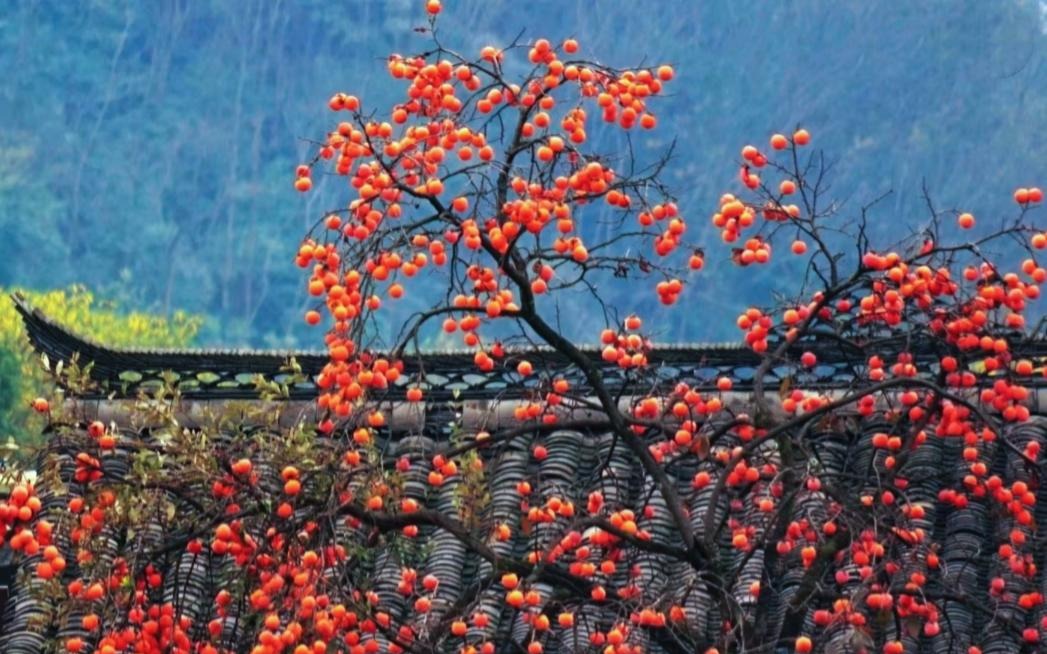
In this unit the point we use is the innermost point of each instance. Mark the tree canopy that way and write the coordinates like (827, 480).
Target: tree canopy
(866, 476)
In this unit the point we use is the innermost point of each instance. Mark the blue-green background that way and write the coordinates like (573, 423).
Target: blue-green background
(147, 148)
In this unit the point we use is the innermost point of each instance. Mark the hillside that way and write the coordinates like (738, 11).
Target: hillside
(148, 148)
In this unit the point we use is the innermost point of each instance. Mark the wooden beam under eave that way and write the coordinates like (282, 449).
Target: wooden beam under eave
(196, 413)
(401, 416)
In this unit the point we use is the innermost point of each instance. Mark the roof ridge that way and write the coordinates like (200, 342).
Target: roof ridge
(33, 316)
(216, 373)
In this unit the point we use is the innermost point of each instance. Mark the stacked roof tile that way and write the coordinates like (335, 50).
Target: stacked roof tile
(579, 462)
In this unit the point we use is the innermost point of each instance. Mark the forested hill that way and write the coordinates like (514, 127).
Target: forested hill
(148, 148)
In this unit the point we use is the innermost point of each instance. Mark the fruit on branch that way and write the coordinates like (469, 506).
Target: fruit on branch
(492, 189)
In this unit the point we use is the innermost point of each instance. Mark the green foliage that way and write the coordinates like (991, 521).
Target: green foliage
(10, 391)
(21, 375)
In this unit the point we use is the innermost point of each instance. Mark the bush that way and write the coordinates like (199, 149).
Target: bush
(22, 377)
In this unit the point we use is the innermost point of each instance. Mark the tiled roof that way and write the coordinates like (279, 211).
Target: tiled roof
(583, 460)
(580, 462)
(223, 373)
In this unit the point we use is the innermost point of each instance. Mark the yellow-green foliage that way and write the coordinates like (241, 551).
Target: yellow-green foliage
(21, 375)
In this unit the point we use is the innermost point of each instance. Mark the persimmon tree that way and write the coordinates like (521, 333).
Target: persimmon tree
(792, 506)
